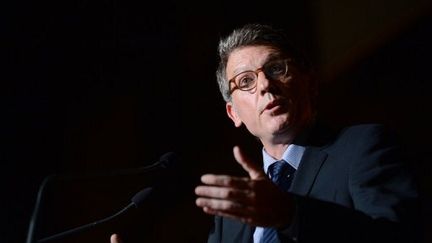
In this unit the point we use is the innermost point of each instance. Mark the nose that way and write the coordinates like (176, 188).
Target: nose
(263, 83)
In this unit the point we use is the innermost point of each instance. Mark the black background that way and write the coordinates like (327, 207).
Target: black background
(95, 86)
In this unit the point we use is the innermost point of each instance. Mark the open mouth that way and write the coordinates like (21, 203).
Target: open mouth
(272, 104)
(275, 107)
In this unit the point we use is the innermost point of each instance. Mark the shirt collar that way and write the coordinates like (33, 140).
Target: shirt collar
(292, 155)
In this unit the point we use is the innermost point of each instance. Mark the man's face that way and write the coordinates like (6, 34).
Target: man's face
(274, 107)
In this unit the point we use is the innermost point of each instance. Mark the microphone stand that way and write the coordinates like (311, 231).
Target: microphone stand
(84, 227)
(166, 161)
(136, 201)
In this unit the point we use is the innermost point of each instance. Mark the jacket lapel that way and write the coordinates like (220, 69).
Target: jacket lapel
(311, 162)
(236, 231)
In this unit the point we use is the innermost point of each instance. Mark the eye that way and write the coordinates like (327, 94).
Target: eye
(275, 69)
(245, 80)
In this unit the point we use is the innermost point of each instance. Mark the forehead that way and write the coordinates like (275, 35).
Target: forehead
(247, 58)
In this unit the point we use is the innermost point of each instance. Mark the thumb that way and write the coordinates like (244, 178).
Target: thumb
(115, 238)
(254, 171)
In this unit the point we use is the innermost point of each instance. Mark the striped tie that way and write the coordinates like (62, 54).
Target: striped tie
(281, 173)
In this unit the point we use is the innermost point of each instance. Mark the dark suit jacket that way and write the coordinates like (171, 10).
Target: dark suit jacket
(353, 186)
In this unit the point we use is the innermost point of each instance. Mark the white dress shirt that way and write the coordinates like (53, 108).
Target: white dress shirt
(292, 155)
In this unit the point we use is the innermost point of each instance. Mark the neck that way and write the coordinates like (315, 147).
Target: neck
(276, 150)
(276, 145)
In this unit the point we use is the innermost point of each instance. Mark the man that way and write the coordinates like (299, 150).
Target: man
(348, 186)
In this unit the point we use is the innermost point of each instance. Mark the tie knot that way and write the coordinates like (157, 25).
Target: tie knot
(281, 171)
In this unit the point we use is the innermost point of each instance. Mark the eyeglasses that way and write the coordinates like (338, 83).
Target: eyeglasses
(273, 70)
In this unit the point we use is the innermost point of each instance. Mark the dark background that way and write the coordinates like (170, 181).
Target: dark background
(99, 86)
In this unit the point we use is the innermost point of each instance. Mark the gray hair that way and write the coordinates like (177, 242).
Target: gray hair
(250, 35)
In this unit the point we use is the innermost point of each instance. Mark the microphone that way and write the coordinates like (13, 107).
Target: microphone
(136, 201)
(168, 160)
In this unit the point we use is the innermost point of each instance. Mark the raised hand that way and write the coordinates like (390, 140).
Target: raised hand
(254, 199)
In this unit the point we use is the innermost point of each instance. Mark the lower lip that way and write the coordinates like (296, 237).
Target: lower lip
(274, 110)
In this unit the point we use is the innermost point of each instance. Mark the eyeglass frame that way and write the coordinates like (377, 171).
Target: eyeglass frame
(256, 72)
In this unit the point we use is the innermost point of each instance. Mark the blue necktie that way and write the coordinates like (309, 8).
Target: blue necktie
(281, 173)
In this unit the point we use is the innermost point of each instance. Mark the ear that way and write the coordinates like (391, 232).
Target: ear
(232, 113)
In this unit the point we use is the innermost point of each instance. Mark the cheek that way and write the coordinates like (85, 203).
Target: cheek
(245, 108)
(243, 111)
(297, 91)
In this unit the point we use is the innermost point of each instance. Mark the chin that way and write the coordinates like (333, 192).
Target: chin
(277, 125)
(281, 121)
(281, 128)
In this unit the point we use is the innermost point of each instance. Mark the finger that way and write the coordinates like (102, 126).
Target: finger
(219, 207)
(242, 217)
(254, 171)
(115, 238)
(263, 217)
(226, 181)
(224, 193)
(250, 215)
(218, 204)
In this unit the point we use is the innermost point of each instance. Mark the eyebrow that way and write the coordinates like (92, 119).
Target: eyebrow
(240, 70)
(272, 56)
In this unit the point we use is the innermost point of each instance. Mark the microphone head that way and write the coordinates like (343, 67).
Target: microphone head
(168, 160)
(141, 196)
